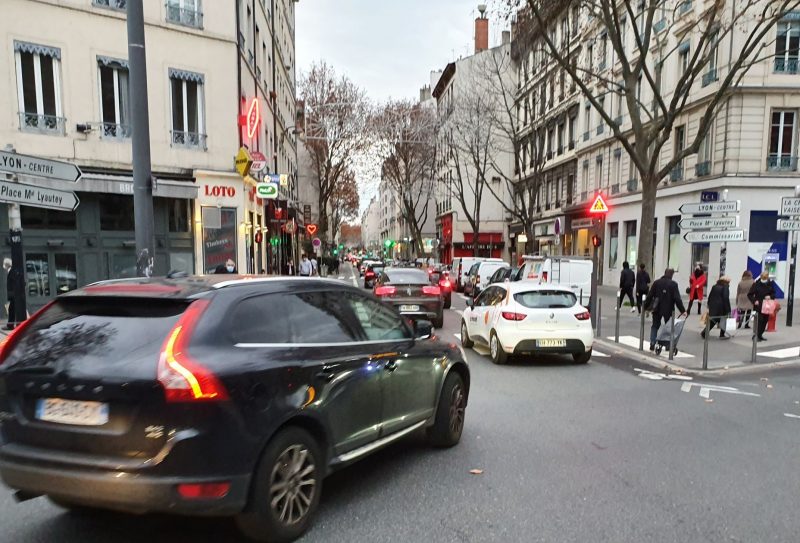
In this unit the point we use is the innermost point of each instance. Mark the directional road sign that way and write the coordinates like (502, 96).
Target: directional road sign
(731, 206)
(790, 205)
(714, 236)
(31, 195)
(707, 223)
(38, 167)
(788, 225)
(268, 191)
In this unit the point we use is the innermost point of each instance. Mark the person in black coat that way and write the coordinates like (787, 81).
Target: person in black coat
(627, 280)
(761, 290)
(664, 297)
(719, 306)
(642, 285)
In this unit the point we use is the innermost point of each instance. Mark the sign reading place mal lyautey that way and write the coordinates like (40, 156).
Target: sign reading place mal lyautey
(31, 195)
(711, 236)
(707, 223)
(731, 206)
(38, 167)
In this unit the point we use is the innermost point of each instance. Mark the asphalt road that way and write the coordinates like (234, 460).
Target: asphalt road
(595, 453)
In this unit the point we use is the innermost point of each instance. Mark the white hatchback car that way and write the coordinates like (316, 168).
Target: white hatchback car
(524, 318)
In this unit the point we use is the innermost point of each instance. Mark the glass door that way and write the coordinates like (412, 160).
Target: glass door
(49, 274)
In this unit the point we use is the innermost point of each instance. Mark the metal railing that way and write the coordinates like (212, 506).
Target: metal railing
(709, 77)
(676, 174)
(685, 7)
(584, 196)
(600, 128)
(560, 149)
(660, 25)
(615, 188)
(184, 16)
(50, 124)
(586, 136)
(782, 163)
(192, 140)
(702, 169)
(633, 185)
(241, 41)
(115, 131)
(618, 120)
(571, 145)
(786, 65)
(112, 4)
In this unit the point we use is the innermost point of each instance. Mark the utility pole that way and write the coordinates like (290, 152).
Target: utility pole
(792, 270)
(17, 271)
(723, 251)
(142, 175)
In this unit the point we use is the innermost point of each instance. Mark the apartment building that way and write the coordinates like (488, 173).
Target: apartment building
(371, 227)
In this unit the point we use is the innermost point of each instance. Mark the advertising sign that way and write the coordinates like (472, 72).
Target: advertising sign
(219, 244)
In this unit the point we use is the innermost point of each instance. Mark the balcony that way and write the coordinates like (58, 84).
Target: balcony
(120, 5)
(115, 131)
(702, 169)
(786, 65)
(586, 136)
(600, 129)
(676, 174)
(184, 16)
(45, 124)
(685, 7)
(191, 140)
(709, 77)
(584, 196)
(783, 163)
(633, 185)
(571, 145)
(560, 150)
(615, 189)
(618, 121)
(660, 25)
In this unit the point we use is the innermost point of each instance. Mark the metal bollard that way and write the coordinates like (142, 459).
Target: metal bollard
(616, 325)
(754, 353)
(641, 325)
(599, 332)
(672, 337)
(705, 343)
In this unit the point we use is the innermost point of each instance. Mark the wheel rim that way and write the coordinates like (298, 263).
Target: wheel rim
(457, 408)
(292, 484)
(494, 347)
(463, 331)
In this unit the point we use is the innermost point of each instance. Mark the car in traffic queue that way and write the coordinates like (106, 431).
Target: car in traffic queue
(410, 291)
(484, 272)
(441, 277)
(524, 318)
(371, 273)
(501, 274)
(196, 396)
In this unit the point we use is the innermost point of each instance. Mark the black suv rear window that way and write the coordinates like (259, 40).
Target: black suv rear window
(546, 299)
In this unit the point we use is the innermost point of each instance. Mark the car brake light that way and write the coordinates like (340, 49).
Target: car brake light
(444, 283)
(8, 343)
(385, 291)
(203, 491)
(431, 290)
(511, 316)
(584, 316)
(183, 378)
(369, 274)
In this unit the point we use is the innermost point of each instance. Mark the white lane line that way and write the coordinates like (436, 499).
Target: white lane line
(791, 415)
(632, 341)
(657, 376)
(782, 353)
(457, 336)
(706, 390)
(600, 355)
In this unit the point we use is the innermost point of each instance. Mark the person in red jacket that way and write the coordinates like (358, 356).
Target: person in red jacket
(697, 284)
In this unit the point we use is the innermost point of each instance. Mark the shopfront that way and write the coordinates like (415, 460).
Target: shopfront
(489, 244)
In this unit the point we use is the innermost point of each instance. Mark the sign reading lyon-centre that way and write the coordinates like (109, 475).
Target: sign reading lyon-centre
(31, 195)
(38, 167)
(731, 206)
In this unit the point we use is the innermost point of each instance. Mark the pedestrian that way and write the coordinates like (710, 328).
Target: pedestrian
(291, 268)
(228, 267)
(314, 266)
(627, 280)
(719, 306)
(697, 284)
(763, 289)
(664, 297)
(306, 268)
(743, 304)
(10, 285)
(642, 285)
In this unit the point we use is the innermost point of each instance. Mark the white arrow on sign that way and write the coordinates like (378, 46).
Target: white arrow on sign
(38, 167)
(268, 191)
(790, 205)
(731, 206)
(31, 195)
(712, 236)
(706, 390)
(788, 225)
(705, 223)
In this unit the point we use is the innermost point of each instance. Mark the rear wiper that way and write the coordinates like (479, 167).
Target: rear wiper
(557, 306)
(31, 369)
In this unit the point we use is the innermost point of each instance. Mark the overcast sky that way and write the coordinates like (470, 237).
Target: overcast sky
(388, 47)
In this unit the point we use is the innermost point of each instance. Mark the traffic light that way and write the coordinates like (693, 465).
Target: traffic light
(335, 251)
(596, 241)
(388, 243)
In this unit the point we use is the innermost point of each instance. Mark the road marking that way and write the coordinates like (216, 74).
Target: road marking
(706, 390)
(600, 355)
(632, 341)
(658, 376)
(459, 311)
(791, 415)
(457, 336)
(791, 352)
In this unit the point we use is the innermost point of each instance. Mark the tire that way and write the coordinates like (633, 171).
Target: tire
(465, 341)
(438, 322)
(291, 453)
(449, 419)
(499, 356)
(448, 302)
(582, 358)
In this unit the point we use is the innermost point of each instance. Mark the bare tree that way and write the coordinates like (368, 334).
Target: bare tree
(344, 202)
(336, 112)
(642, 34)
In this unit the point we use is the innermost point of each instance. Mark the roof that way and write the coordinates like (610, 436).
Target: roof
(531, 285)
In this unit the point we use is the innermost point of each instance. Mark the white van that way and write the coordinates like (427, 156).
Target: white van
(572, 272)
(462, 265)
(485, 271)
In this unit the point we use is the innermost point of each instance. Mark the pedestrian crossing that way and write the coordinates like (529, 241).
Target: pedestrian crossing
(791, 352)
(633, 341)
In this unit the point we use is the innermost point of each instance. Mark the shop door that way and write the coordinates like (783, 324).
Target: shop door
(121, 264)
(49, 274)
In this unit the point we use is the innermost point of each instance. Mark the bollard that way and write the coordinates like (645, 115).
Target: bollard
(672, 337)
(616, 325)
(705, 343)
(754, 353)
(641, 325)
(599, 332)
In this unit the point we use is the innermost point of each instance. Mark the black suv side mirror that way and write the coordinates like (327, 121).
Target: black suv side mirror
(423, 329)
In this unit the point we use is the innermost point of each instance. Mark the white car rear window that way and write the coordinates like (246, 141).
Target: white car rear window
(546, 299)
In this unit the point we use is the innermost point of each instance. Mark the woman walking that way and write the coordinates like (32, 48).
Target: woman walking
(719, 306)
(743, 304)
(763, 289)
(697, 284)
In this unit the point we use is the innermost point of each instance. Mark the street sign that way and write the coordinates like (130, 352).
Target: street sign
(580, 224)
(706, 223)
(306, 213)
(284, 179)
(790, 205)
(311, 229)
(259, 162)
(243, 161)
(268, 191)
(788, 225)
(709, 196)
(316, 242)
(731, 206)
(274, 178)
(714, 236)
(38, 167)
(31, 195)
(599, 206)
(290, 227)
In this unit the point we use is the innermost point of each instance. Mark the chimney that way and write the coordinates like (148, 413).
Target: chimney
(506, 37)
(481, 30)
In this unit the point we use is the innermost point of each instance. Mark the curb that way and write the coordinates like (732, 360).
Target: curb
(671, 367)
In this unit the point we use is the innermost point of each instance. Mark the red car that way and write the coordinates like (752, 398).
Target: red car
(442, 278)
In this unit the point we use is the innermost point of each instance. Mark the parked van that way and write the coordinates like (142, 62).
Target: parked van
(462, 265)
(573, 272)
(483, 274)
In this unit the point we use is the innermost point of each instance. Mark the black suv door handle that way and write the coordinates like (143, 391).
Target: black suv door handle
(390, 366)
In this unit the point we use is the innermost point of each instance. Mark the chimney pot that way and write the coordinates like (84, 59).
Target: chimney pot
(481, 34)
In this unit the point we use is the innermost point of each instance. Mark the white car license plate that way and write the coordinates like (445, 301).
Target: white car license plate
(408, 308)
(551, 342)
(72, 412)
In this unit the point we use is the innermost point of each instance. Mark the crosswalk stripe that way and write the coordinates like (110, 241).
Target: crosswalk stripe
(782, 353)
(632, 341)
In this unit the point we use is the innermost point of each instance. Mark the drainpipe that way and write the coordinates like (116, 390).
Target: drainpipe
(239, 67)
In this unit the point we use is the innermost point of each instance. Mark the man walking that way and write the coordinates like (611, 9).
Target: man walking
(305, 268)
(664, 297)
(627, 280)
(642, 286)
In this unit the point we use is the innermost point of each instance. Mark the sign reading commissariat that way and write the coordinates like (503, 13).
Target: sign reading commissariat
(20, 193)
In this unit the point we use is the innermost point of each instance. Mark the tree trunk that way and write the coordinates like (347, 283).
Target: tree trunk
(645, 249)
(322, 220)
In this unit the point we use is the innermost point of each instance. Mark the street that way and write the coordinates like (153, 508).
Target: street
(610, 451)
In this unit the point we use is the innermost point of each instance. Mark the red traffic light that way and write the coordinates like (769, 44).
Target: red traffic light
(259, 237)
(596, 241)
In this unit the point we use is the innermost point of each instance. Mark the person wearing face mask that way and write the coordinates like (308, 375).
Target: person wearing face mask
(305, 269)
(229, 267)
(763, 289)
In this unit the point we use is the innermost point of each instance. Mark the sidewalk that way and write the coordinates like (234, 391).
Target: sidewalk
(781, 345)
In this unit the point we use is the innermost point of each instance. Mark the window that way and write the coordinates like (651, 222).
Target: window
(116, 212)
(598, 174)
(185, 12)
(571, 131)
(39, 88)
(37, 274)
(548, 192)
(787, 47)
(66, 272)
(114, 98)
(704, 157)
(39, 218)
(188, 124)
(680, 139)
(782, 141)
(617, 167)
(683, 58)
(378, 321)
(560, 138)
(674, 242)
(546, 299)
(603, 51)
(587, 123)
(112, 4)
(631, 241)
(179, 214)
(601, 125)
(613, 244)
(585, 177)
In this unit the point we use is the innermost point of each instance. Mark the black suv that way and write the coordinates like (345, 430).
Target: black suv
(216, 396)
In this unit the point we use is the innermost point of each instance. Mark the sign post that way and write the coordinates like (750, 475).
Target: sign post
(791, 207)
(723, 251)
(598, 208)
(712, 229)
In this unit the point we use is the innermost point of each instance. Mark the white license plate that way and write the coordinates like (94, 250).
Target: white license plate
(551, 342)
(72, 412)
(408, 308)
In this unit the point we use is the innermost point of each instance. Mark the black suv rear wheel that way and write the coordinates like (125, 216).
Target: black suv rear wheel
(286, 489)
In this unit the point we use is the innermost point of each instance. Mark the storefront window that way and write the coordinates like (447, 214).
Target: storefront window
(66, 272)
(37, 272)
(219, 237)
(39, 218)
(613, 244)
(123, 265)
(116, 212)
(181, 262)
(631, 242)
(700, 254)
(674, 242)
(180, 215)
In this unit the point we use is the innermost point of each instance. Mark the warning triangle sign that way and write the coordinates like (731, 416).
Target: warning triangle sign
(599, 205)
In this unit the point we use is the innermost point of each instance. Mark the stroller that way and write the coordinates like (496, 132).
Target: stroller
(664, 333)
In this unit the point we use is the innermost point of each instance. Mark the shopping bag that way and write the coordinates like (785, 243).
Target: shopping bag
(735, 314)
(704, 318)
(768, 307)
(728, 325)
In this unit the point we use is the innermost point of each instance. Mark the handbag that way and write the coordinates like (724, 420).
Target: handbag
(768, 307)
(688, 290)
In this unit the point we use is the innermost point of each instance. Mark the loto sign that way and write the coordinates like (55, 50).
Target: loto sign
(219, 191)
